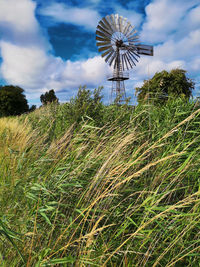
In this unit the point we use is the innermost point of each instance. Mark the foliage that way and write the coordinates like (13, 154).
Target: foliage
(85, 104)
(165, 85)
(48, 97)
(125, 193)
(12, 101)
(32, 108)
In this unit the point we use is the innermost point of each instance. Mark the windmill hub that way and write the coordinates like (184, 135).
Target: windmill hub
(119, 44)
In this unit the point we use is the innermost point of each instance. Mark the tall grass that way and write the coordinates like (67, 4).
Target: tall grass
(123, 194)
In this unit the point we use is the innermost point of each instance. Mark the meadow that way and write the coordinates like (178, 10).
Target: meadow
(120, 187)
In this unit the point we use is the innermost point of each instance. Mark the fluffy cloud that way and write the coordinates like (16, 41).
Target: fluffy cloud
(18, 15)
(165, 18)
(174, 29)
(132, 16)
(26, 60)
(64, 13)
(33, 69)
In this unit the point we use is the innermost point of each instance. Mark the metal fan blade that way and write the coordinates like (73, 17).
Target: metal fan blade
(129, 29)
(107, 24)
(108, 35)
(133, 55)
(117, 22)
(134, 42)
(133, 50)
(113, 22)
(103, 39)
(145, 50)
(123, 65)
(123, 24)
(103, 43)
(107, 52)
(133, 38)
(108, 18)
(126, 28)
(130, 60)
(131, 34)
(113, 57)
(103, 35)
(108, 57)
(126, 62)
(104, 26)
(104, 48)
(120, 23)
(117, 62)
(104, 30)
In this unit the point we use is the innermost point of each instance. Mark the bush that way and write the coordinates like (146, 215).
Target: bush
(12, 101)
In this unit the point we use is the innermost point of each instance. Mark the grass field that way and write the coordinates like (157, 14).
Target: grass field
(123, 192)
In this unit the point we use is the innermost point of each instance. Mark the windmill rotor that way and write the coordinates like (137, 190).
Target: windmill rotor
(119, 44)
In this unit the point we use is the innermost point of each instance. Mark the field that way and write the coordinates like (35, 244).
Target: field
(120, 188)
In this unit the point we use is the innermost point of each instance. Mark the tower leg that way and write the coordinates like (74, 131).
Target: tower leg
(118, 92)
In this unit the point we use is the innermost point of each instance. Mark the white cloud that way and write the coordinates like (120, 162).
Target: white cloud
(64, 13)
(32, 69)
(28, 63)
(22, 65)
(21, 12)
(26, 60)
(164, 18)
(133, 17)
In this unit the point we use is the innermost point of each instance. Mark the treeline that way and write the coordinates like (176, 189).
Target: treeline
(163, 87)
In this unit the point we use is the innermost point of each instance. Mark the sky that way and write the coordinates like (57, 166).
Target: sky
(50, 44)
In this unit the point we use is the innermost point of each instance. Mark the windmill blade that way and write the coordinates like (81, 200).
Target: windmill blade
(107, 24)
(120, 23)
(134, 42)
(109, 55)
(123, 63)
(117, 62)
(104, 26)
(104, 35)
(104, 48)
(113, 57)
(117, 22)
(133, 55)
(133, 50)
(104, 30)
(103, 43)
(133, 37)
(145, 50)
(107, 52)
(113, 22)
(109, 19)
(130, 60)
(103, 39)
(128, 29)
(131, 33)
(126, 61)
(123, 24)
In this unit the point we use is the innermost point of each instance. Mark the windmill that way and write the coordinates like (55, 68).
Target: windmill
(117, 41)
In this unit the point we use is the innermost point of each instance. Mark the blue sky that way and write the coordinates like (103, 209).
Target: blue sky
(50, 44)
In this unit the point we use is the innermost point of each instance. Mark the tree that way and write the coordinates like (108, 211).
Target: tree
(165, 85)
(86, 104)
(12, 101)
(32, 108)
(48, 97)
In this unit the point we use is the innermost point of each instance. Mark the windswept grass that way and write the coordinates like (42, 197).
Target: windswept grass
(123, 194)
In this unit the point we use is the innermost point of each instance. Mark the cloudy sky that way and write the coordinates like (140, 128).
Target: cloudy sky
(47, 44)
